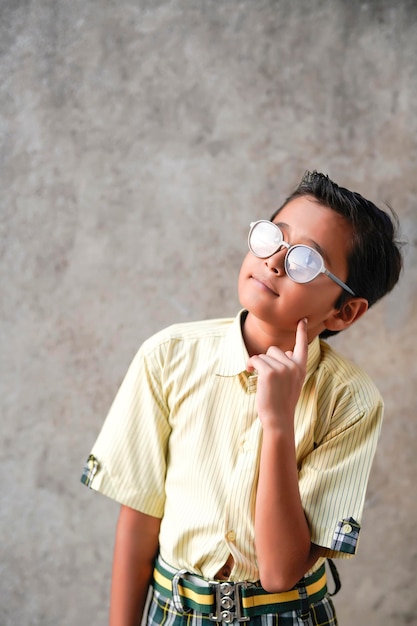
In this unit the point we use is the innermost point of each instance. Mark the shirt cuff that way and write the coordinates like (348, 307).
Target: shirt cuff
(89, 471)
(346, 536)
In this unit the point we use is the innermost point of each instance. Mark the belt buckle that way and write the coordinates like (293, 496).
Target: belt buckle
(228, 599)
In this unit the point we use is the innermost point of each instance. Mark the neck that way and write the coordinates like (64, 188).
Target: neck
(259, 336)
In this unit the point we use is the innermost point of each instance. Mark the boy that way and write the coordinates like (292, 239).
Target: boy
(240, 449)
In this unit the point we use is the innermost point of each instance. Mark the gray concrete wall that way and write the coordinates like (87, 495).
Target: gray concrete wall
(138, 140)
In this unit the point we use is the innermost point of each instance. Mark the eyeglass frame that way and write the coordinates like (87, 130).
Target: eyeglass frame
(289, 247)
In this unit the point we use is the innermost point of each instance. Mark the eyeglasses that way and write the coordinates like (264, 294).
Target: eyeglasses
(302, 263)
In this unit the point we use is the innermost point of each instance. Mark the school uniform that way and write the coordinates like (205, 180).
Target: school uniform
(182, 442)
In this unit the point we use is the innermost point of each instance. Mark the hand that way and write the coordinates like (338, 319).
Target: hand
(280, 379)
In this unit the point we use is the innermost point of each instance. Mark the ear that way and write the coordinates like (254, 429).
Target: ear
(349, 312)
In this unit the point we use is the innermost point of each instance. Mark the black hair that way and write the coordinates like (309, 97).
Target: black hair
(375, 259)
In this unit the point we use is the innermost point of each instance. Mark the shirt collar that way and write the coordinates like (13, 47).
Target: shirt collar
(313, 358)
(233, 355)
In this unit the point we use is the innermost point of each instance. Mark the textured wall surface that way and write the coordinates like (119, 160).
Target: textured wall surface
(138, 140)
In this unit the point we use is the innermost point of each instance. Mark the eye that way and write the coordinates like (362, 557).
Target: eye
(264, 239)
(303, 263)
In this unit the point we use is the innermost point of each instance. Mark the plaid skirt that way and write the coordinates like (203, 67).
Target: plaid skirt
(161, 612)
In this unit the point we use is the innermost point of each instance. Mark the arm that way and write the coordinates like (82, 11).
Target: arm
(283, 543)
(135, 549)
(282, 535)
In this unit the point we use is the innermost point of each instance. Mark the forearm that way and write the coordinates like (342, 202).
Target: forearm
(282, 535)
(135, 549)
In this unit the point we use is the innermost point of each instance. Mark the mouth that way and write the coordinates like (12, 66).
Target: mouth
(265, 284)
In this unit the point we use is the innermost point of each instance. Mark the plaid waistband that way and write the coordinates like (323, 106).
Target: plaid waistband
(195, 593)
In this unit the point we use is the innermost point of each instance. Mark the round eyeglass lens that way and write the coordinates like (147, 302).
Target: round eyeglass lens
(303, 264)
(264, 239)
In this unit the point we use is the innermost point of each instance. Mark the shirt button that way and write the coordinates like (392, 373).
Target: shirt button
(347, 528)
(231, 535)
(246, 446)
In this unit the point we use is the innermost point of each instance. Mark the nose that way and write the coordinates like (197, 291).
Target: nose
(275, 262)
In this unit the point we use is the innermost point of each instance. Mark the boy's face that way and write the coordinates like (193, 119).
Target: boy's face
(270, 295)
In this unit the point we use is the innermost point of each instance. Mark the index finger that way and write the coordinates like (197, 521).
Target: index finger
(300, 351)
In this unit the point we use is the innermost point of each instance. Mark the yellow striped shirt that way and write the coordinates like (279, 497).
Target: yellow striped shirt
(182, 442)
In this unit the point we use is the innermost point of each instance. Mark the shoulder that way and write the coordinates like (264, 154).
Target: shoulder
(346, 376)
(191, 330)
(186, 334)
(183, 348)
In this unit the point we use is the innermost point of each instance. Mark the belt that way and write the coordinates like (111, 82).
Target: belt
(225, 601)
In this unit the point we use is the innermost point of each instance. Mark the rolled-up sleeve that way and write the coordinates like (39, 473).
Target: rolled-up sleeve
(128, 460)
(333, 477)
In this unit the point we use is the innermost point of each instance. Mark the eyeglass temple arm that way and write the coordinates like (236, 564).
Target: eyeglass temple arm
(339, 282)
